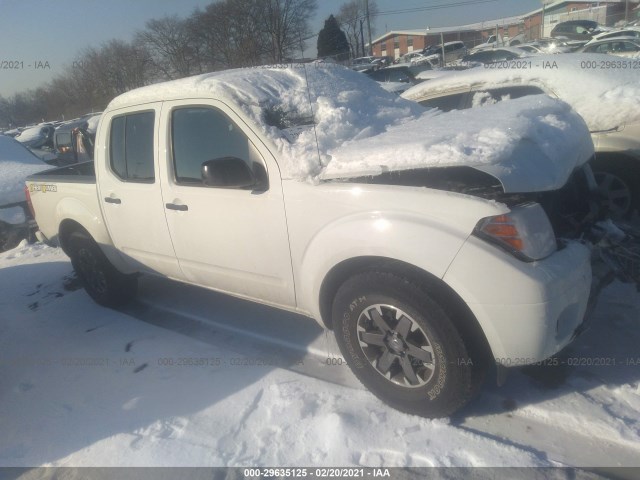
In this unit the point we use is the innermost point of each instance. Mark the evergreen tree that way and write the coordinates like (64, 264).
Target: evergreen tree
(332, 41)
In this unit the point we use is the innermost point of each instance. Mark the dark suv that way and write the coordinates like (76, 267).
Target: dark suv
(577, 29)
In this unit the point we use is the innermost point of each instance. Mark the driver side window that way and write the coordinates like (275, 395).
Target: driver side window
(199, 134)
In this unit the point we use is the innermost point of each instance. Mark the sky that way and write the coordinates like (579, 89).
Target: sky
(42, 38)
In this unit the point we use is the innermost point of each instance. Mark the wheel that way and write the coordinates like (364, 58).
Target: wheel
(618, 191)
(403, 347)
(102, 281)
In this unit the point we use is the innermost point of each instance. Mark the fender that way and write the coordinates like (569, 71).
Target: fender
(417, 240)
(73, 209)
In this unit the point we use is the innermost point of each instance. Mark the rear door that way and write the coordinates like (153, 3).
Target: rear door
(231, 239)
(129, 188)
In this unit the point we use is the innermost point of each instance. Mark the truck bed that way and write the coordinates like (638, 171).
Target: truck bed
(57, 192)
(84, 172)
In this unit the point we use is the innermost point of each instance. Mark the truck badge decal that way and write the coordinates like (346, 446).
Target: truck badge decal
(42, 188)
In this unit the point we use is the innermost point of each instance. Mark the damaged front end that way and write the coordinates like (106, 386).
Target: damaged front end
(577, 212)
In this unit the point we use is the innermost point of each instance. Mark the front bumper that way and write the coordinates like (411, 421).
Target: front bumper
(528, 311)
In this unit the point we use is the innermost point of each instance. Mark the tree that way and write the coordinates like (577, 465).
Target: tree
(353, 19)
(332, 42)
(286, 23)
(171, 47)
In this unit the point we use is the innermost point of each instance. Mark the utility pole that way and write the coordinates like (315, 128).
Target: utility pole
(626, 11)
(366, 6)
(444, 61)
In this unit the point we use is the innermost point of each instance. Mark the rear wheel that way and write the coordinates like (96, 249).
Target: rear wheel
(402, 345)
(102, 281)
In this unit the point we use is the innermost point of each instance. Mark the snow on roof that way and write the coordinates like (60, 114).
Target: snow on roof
(605, 97)
(16, 164)
(30, 134)
(329, 122)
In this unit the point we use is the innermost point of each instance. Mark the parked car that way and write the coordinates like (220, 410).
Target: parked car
(553, 45)
(16, 163)
(494, 55)
(608, 100)
(392, 242)
(582, 30)
(618, 46)
(395, 78)
(66, 144)
(633, 32)
(453, 51)
(37, 137)
(364, 63)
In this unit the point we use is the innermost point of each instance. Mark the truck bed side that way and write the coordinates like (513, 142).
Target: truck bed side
(66, 199)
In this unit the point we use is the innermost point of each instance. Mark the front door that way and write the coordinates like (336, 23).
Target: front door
(232, 239)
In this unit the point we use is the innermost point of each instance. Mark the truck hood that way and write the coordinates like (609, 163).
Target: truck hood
(531, 144)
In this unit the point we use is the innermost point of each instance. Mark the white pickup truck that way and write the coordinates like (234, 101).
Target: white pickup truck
(430, 244)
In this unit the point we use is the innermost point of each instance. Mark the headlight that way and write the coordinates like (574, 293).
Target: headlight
(524, 232)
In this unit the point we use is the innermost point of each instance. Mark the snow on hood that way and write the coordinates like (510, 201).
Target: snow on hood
(327, 121)
(605, 96)
(529, 144)
(16, 164)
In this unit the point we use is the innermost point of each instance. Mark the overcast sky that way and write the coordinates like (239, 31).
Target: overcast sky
(41, 32)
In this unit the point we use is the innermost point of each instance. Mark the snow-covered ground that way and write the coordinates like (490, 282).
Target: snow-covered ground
(187, 377)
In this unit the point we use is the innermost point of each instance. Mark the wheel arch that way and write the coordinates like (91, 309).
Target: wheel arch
(461, 315)
(69, 226)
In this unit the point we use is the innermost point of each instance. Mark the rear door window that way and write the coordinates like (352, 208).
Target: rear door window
(131, 155)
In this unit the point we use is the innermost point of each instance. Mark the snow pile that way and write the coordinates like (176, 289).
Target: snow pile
(544, 136)
(87, 386)
(328, 121)
(605, 96)
(16, 164)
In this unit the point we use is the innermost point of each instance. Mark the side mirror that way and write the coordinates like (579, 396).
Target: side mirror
(227, 172)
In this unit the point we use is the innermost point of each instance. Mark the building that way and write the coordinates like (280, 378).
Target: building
(527, 27)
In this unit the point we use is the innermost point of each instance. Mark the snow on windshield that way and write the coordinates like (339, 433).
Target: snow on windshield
(596, 86)
(16, 164)
(327, 121)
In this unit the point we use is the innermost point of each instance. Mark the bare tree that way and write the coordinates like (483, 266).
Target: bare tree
(353, 20)
(286, 22)
(171, 47)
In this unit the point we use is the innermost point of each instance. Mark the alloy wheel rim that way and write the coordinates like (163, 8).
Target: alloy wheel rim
(616, 192)
(396, 346)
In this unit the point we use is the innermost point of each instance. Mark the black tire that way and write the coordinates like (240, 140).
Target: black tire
(102, 281)
(442, 382)
(619, 185)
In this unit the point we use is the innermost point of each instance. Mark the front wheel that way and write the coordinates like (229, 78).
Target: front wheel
(402, 345)
(102, 281)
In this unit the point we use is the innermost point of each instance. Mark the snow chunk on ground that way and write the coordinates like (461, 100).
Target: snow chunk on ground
(16, 164)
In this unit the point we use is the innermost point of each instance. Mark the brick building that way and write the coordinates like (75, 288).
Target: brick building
(527, 27)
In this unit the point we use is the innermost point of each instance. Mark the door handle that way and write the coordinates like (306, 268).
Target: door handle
(117, 201)
(180, 208)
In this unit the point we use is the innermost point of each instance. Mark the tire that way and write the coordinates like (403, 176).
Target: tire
(102, 281)
(619, 188)
(421, 339)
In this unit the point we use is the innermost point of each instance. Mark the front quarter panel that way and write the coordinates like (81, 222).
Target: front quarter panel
(330, 224)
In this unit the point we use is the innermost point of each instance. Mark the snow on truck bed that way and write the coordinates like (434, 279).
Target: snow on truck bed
(328, 122)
